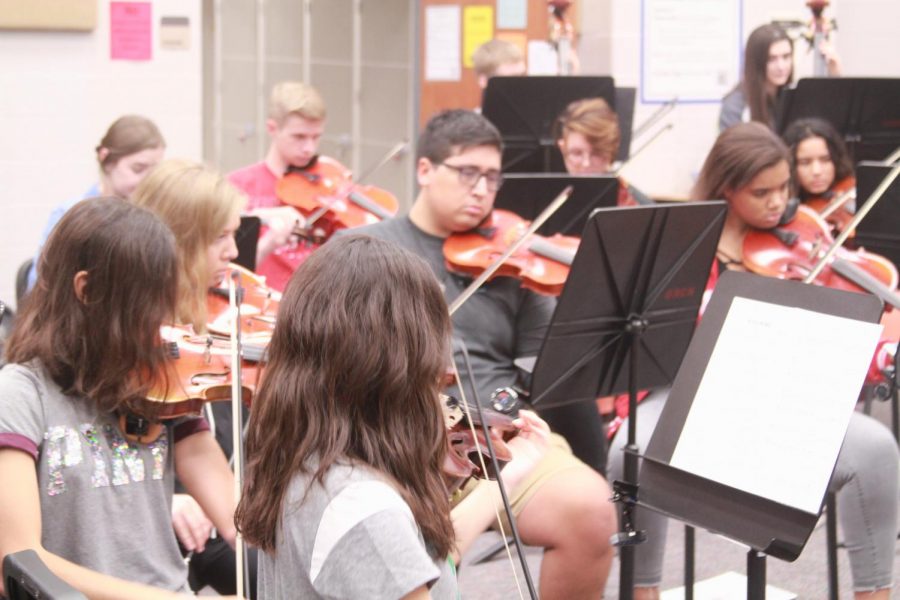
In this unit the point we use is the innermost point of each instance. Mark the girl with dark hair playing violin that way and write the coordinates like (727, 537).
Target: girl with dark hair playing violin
(749, 167)
(821, 167)
(819, 158)
(86, 348)
(344, 491)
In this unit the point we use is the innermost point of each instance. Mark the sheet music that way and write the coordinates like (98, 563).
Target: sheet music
(772, 408)
(443, 60)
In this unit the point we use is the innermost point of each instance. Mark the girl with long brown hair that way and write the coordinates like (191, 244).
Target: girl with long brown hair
(344, 491)
(85, 349)
(768, 69)
(749, 167)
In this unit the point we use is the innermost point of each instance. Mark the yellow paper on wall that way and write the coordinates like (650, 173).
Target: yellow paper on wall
(478, 28)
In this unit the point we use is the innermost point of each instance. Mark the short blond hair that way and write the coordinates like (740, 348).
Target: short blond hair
(596, 121)
(295, 98)
(196, 203)
(489, 56)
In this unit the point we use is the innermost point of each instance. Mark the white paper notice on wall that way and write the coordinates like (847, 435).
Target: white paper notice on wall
(774, 402)
(690, 49)
(443, 55)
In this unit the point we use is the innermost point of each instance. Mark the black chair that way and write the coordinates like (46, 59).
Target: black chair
(26, 577)
(22, 280)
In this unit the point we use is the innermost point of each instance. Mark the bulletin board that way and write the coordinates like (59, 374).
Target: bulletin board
(72, 15)
(450, 30)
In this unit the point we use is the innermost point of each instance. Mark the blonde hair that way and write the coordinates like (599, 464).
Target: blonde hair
(295, 98)
(489, 56)
(196, 203)
(596, 121)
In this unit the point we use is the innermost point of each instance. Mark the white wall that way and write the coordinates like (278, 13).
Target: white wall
(59, 91)
(866, 41)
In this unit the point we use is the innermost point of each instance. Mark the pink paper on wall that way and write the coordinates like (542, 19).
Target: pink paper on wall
(130, 31)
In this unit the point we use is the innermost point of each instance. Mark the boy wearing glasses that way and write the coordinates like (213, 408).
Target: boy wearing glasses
(563, 506)
(588, 137)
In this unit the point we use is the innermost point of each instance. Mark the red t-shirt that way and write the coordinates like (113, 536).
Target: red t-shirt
(258, 182)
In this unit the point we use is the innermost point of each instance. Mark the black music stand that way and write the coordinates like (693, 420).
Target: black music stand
(247, 238)
(878, 231)
(626, 315)
(773, 526)
(865, 110)
(624, 107)
(529, 195)
(525, 110)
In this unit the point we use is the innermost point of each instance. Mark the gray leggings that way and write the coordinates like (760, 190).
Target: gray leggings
(865, 478)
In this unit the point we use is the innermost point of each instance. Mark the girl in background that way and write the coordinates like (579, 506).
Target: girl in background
(129, 150)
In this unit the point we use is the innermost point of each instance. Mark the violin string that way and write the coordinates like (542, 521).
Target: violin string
(503, 537)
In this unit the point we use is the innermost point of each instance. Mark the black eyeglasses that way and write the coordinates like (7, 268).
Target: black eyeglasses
(469, 176)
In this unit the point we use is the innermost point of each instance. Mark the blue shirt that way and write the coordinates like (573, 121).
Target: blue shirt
(55, 216)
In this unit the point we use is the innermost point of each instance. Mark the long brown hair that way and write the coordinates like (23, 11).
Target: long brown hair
(756, 59)
(355, 364)
(104, 346)
(739, 154)
(196, 203)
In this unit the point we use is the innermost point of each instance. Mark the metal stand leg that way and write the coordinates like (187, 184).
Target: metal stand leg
(689, 562)
(756, 575)
(831, 536)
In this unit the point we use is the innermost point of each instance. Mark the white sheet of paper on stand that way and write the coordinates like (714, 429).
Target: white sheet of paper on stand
(773, 406)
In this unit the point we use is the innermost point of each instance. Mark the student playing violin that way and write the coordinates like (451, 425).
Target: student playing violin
(563, 506)
(588, 137)
(295, 125)
(820, 163)
(85, 349)
(203, 211)
(344, 490)
(750, 168)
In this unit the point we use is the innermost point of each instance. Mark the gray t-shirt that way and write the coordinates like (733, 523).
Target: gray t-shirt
(500, 323)
(353, 537)
(105, 503)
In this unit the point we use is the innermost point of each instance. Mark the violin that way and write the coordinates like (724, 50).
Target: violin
(324, 191)
(463, 446)
(542, 264)
(792, 250)
(835, 205)
(196, 372)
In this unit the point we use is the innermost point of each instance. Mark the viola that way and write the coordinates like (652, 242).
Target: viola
(791, 251)
(259, 307)
(324, 191)
(542, 264)
(462, 460)
(834, 205)
(196, 372)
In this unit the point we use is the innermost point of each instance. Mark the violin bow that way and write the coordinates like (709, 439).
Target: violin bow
(859, 216)
(237, 425)
(512, 249)
(507, 507)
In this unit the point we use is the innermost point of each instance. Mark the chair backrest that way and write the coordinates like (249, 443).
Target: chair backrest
(22, 279)
(6, 321)
(26, 577)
